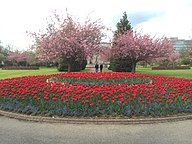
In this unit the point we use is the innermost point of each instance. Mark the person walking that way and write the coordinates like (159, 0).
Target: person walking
(101, 67)
(96, 67)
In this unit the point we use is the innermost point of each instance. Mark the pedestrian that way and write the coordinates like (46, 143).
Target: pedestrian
(101, 67)
(96, 67)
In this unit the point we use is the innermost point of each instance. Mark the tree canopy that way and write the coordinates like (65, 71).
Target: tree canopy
(69, 40)
(137, 46)
(124, 25)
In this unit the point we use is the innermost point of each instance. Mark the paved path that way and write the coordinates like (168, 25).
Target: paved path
(13, 131)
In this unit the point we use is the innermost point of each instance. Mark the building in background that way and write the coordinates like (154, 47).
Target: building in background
(181, 43)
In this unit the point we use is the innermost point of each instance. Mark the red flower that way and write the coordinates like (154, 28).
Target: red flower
(46, 98)
(147, 103)
(160, 100)
(62, 98)
(92, 104)
(54, 99)
(125, 103)
(107, 101)
(163, 97)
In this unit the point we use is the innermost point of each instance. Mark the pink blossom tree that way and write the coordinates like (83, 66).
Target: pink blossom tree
(69, 40)
(136, 46)
(169, 60)
(17, 57)
(173, 57)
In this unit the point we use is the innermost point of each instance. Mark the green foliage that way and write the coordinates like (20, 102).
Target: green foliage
(173, 73)
(186, 55)
(84, 63)
(62, 67)
(185, 61)
(123, 26)
(121, 65)
(32, 59)
(2, 57)
(75, 66)
(19, 73)
(95, 81)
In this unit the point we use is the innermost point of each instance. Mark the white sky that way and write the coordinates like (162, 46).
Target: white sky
(171, 18)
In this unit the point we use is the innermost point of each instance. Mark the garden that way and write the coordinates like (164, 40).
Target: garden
(68, 88)
(114, 94)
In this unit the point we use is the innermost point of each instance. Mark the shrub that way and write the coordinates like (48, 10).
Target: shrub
(84, 63)
(75, 66)
(170, 67)
(120, 65)
(20, 68)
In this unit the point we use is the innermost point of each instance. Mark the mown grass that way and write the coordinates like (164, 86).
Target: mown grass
(19, 73)
(45, 71)
(174, 73)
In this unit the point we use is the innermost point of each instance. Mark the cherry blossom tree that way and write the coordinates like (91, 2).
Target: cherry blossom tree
(136, 46)
(69, 40)
(173, 57)
(169, 60)
(17, 57)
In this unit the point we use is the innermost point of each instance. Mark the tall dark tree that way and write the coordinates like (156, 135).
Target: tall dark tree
(123, 26)
(124, 64)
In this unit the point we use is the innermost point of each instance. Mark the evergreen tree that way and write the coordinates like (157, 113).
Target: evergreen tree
(123, 26)
(124, 64)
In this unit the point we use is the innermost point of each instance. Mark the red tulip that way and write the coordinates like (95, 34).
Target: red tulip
(92, 104)
(54, 99)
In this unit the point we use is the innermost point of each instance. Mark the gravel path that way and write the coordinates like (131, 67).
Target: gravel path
(13, 131)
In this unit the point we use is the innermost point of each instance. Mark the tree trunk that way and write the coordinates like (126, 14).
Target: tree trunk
(173, 65)
(69, 67)
(133, 67)
(96, 60)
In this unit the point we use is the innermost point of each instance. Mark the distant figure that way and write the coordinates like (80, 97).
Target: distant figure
(96, 67)
(101, 67)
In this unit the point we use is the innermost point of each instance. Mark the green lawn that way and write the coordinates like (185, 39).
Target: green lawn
(18, 73)
(175, 73)
(44, 71)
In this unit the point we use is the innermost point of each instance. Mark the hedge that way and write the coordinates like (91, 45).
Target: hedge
(20, 68)
(171, 67)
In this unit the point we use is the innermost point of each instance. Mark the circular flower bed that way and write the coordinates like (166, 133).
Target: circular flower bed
(96, 94)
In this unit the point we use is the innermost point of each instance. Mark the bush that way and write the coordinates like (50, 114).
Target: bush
(84, 63)
(76, 66)
(62, 67)
(20, 68)
(170, 67)
(185, 61)
(120, 65)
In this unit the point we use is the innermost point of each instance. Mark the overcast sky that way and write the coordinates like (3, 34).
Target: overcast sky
(171, 18)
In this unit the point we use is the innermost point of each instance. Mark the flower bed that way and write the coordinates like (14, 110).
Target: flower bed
(171, 68)
(20, 68)
(96, 94)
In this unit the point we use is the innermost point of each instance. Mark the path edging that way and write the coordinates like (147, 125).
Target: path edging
(90, 120)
